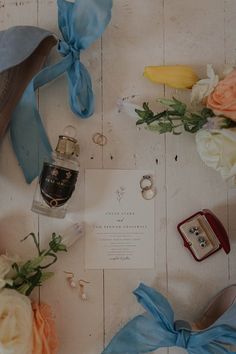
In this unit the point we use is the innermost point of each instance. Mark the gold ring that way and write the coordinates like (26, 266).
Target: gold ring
(99, 139)
(148, 193)
(146, 182)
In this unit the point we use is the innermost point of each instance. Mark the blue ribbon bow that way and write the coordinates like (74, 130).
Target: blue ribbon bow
(80, 23)
(156, 329)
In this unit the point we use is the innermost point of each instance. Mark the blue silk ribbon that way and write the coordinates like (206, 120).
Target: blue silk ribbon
(80, 23)
(156, 329)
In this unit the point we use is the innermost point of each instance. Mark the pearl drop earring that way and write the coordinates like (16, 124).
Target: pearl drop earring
(82, 292)
(70, 278)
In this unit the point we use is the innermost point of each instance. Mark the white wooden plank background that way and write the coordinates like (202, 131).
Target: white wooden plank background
(151, 32)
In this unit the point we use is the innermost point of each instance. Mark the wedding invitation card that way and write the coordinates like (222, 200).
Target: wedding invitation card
(119, 221)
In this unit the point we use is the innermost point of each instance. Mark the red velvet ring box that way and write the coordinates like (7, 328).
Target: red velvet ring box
(203, 234)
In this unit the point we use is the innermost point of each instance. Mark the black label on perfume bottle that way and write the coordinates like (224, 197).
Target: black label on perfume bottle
(57, 184)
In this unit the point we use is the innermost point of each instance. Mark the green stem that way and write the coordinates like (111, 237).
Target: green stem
(50, 263)
(35, 241)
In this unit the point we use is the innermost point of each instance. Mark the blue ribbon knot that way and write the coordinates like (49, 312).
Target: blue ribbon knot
(81, 23)
(182, 339)
(65, 49)
(156, 329)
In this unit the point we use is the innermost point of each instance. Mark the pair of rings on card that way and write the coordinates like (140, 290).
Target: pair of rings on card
(146, 185)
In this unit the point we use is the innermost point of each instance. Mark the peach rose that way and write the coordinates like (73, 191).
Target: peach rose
(223, 99)
(44, 332)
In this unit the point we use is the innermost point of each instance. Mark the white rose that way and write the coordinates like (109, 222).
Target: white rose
(204, 87)
(16, 323)
(218, 150)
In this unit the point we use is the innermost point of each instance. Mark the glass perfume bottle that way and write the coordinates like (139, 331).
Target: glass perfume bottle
(58, 178)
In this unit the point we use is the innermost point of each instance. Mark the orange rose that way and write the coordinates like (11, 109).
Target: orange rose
(44, 331)
(223, 99)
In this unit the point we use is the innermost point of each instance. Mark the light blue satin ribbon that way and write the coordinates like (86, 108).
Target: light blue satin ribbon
(156, 329)
(80, 23)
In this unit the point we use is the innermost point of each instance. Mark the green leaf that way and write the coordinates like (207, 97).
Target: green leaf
(228, 123)
(56, 244)
(146, 106)
(23, 288)
(140, 121)
(153, 128)
(142, 114)
(62, 248)
(175, 104)
(175, 114)
(160, 127)
(207, 112)
(165, 127)
(34, 281)
(166, 102)
(26, 268)
(180, 107)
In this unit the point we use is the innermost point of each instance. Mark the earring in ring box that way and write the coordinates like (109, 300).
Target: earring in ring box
(203, 234)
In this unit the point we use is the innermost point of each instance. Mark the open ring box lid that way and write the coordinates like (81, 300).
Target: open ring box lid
(211, 229)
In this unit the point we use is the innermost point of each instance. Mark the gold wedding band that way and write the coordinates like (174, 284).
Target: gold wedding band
(148, 194)
(99, 139)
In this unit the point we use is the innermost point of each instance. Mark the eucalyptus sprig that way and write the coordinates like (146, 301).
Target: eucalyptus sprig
(174, 119)
(31, 273)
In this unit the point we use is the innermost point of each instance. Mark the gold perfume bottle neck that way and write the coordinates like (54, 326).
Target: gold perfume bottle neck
(67, 146)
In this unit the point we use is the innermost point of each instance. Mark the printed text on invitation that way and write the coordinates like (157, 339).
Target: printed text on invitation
(119, 222)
